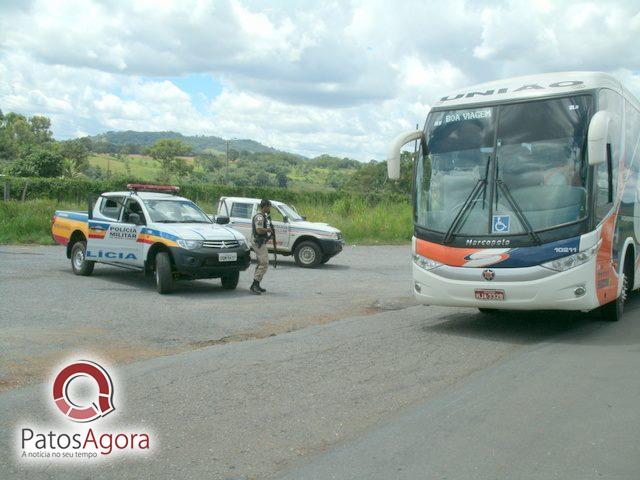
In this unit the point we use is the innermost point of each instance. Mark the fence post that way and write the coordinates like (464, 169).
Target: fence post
(6, 191)
(24, 190)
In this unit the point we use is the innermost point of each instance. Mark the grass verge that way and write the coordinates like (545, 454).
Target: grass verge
(386, 222)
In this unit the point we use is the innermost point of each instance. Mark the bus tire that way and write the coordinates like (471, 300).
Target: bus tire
(79, 262)
(613, 311)
(308, 254)
(164, 275)
(230, 281)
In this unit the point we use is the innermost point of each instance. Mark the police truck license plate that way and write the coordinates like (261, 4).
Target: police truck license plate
(227, 257)
(489, 294)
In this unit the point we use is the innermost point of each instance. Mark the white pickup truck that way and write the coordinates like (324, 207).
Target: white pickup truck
(310, 243)
(151, 228)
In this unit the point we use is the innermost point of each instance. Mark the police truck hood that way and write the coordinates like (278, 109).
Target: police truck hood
(201, 231)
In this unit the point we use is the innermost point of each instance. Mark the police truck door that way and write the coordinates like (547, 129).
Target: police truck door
(121, 240)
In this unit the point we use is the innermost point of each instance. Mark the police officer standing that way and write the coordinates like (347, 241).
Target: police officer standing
(262, 229)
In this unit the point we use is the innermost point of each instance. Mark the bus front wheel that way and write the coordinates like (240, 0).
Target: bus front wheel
(612, 312)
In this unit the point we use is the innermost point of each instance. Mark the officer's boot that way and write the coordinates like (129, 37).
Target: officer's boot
(255, 288)
(261, 289)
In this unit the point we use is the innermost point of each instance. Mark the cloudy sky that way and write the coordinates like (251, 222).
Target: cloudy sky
(308, 77)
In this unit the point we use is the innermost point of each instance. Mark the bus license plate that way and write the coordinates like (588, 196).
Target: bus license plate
(489, 294)
(227, 257)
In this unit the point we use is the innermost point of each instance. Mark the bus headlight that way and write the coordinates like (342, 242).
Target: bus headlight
(190, 244)
(572, 261)
(424, 262)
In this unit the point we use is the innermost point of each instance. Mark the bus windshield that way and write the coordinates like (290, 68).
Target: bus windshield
(505, 170)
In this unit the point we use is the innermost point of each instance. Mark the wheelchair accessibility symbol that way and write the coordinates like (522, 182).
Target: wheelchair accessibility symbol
(501, 223)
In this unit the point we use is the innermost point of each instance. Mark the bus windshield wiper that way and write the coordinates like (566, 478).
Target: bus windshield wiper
(518, 211)
(468, 203)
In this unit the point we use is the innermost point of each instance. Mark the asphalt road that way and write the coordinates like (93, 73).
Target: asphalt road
(337, 375)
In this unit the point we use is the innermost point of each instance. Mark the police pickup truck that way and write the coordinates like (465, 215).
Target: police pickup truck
(150, 228)
(310, 243)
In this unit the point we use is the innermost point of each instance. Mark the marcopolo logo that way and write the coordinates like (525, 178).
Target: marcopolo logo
(83, 393)
(83, 413)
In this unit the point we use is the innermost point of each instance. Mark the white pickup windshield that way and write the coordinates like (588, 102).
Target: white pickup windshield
(502, 170)
(289, 212)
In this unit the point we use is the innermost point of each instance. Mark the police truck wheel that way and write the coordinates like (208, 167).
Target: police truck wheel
(79, 262)
(308, 255)
(230, 282)
(164, 275)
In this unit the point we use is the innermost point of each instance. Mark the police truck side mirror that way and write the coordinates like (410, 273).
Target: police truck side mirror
(222, 219)
(285, 219)
(393, 156)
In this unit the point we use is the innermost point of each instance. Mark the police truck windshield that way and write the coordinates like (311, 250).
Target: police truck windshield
(175, 211)
(504, 170)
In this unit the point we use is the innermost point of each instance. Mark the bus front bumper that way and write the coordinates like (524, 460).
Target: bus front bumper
(531, 288)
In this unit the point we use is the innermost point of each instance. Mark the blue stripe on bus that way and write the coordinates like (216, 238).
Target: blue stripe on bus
(530, 256)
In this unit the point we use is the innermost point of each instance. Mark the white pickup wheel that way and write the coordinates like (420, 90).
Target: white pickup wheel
(308, 254)
(79, 262)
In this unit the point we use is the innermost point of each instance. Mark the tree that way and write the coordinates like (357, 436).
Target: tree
(233, 155)
(9, 147)
(75, 152)
(38, 162)
(166, 152)
(282, 179)
(40, 128)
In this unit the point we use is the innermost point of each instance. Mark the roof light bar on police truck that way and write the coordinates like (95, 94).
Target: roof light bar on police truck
(141, 187)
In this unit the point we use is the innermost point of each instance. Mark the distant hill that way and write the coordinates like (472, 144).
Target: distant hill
(199, 143)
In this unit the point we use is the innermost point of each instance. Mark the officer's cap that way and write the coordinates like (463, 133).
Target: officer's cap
(264, 202)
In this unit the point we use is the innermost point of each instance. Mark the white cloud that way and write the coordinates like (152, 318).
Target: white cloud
(311, 77)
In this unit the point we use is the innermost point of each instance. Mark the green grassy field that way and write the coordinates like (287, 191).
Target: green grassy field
(134, 166)
(387, 222)
(29, 222)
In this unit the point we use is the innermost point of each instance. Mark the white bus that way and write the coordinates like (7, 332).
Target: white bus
(526, 195)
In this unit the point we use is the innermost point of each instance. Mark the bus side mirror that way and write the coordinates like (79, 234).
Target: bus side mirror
(598, 137)
(393, 156)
